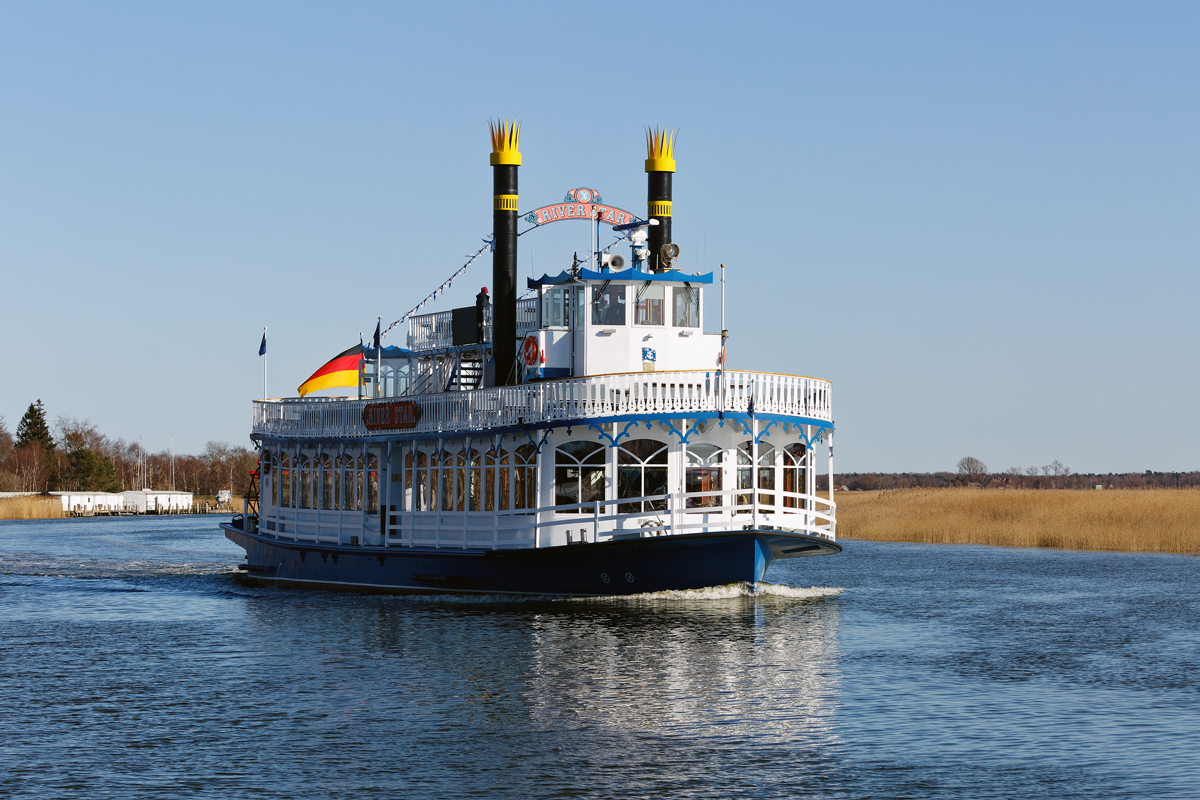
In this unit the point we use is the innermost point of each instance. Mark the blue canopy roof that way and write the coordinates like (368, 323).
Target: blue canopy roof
(632, 275)
(389, 351)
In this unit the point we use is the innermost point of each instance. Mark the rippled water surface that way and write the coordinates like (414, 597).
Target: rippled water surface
(133, 664)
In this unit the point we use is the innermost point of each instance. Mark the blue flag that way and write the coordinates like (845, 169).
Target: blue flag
(750, 407)
(377, 336)
(262, 348)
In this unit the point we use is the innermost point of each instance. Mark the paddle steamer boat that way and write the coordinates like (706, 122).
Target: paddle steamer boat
(588, 439)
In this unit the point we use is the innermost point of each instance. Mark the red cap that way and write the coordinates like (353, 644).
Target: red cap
(483, 289)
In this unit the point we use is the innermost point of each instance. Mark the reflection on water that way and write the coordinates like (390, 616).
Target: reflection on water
(133, 664)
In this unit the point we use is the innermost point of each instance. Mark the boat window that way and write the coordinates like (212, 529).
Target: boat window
(326, 482)
(446, 490)
(305, 488)
(468, 481)
(650, 301)
(285, 480)
(357, 500)
(703, 474)
(641, 472)
(687, 307)
(416, 484)
(525, 477)
(555, 306)
(578, 474)
(795, 478)
(372, 480)
(766, 476)
(608, 305)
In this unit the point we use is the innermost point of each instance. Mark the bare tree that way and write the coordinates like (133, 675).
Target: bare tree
(972, 468)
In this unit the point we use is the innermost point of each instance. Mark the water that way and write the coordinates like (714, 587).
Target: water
(132, 664)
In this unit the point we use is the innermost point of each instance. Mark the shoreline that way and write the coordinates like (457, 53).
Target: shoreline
(1119, 520)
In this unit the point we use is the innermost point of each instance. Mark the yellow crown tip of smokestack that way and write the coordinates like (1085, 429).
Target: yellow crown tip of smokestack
(506, 141)
(660, 150)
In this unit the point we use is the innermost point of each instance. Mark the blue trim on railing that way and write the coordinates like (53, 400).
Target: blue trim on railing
(590, 422)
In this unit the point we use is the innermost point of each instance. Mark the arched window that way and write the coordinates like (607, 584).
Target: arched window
(305, 481)
(445, 463)
(416, 482)
(354, 489)
(285, 480)
(641, 472)
(578, 474)
(795, 477)
(766, 475)
(703, 474)
(372, 481)
(525, 477)
(339, 464)
(325, 484)
(468, 480)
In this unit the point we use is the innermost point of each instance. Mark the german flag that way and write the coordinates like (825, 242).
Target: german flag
(341, 370)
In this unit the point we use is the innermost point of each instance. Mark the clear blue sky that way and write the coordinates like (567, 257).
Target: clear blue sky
(980, 221)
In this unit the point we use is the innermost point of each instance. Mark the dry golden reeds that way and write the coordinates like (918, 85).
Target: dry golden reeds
(30, 507)
(1138, 520)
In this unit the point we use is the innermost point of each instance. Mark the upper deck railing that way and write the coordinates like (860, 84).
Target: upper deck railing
(435, 331)
(596, 397)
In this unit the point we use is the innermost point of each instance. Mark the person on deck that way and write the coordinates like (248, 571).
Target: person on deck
(481, 302)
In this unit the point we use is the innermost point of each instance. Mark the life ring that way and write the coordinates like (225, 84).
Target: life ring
(529, 351)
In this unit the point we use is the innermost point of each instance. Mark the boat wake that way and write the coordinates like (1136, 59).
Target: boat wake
(730, 591)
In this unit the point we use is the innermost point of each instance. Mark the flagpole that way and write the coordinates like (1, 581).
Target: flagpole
(378, 358)
(264, 365)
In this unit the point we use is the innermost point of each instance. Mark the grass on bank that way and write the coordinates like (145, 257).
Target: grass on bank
(32, 507)
(1136, 520)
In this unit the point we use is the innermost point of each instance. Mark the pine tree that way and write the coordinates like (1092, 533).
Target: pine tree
(33, 428)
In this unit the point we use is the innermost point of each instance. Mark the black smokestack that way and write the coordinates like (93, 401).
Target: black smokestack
(660, 168)
(505, 160)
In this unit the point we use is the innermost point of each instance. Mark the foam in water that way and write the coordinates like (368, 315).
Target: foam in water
(729, 591)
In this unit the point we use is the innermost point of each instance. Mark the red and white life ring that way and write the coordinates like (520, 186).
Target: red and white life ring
(529, 350)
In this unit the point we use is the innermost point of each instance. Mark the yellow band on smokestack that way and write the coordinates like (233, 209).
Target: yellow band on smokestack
(504, 202)
(660, 208)
(660, 151)
(506, 138)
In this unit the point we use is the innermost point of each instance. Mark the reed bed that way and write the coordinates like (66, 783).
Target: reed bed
(32, 507)
(1134, 520)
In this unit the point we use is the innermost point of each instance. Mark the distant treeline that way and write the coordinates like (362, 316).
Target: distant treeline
(867, 481)
(72, 455)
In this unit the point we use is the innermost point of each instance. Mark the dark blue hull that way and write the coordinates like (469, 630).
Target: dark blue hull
(691, 561)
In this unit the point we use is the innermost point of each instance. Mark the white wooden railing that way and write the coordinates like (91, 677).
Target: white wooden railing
(434, 331)
(548, 526)
(674, 393)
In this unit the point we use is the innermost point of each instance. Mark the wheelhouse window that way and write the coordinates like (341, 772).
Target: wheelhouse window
(578, 474)
(703, 474)
(687, 307)
(555, 306)
(650, 301)
(641, 472)
(608, 305)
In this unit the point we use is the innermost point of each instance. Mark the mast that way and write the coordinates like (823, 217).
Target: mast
(660, 166)
(505, 160)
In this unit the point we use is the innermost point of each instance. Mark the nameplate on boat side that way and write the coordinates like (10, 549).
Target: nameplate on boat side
(397, 414)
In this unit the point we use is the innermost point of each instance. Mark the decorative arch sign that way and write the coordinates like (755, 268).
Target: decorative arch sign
(581, 203)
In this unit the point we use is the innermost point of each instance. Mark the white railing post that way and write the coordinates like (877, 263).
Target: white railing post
(595, 521)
